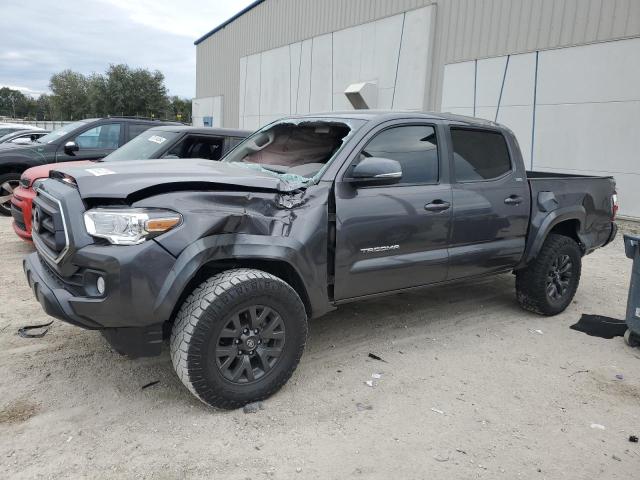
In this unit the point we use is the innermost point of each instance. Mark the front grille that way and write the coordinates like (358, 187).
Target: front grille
(18, 217)
(48, 226)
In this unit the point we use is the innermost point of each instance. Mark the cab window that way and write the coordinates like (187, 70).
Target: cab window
(479, 155)
(415, 147)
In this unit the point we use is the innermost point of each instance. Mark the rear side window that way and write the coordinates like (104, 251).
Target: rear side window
(414, 147)
(136, 129)
(479, 155)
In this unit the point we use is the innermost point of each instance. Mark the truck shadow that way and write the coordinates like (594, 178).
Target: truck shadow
(424, 312)
(76, 357)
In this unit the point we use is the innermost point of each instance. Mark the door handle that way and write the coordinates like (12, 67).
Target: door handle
(437, 206)
(513, 200)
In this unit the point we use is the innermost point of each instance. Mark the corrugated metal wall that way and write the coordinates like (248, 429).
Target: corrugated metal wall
(272, 24)
(464, 30)
(471, 29)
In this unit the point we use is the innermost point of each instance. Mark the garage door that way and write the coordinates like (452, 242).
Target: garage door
(574, 110)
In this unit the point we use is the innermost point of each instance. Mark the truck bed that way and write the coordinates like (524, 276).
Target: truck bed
(556, 195)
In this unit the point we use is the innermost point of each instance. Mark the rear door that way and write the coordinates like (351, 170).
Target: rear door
(491, 203)
(395, 236)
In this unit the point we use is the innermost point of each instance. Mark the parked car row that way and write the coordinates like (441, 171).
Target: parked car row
(107, 139)
(10, 128)
(22, 136)
(229, 259)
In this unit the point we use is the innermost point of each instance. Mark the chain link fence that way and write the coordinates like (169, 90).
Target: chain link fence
(46, 124)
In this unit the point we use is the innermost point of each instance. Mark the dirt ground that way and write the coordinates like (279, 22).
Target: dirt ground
(472, 387)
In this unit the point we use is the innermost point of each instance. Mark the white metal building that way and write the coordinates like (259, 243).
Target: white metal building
(563, 74)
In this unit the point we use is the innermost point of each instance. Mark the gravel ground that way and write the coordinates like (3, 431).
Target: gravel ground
(472, 387)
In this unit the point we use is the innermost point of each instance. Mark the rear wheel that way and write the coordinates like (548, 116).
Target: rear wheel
(8, 183)
(238, 337)
(549, 283)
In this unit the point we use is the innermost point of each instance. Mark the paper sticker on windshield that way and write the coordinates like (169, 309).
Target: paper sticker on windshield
(157, 139)
(98, 172)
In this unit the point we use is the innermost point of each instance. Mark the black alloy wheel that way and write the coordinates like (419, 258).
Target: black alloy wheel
(8, 183)
(559, 277)
(250, 344)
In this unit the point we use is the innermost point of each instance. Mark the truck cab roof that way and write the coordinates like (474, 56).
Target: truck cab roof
(380, 116)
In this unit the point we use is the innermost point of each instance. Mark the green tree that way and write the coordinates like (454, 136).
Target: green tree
(121, 90)
(180, 109)
(13, 103)
(69, 94)
(44, 108)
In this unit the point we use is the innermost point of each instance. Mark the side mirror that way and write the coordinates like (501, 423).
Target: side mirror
(71, 147)
(375, 171)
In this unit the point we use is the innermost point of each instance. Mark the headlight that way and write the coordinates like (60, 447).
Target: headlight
(129, 226)
(25, 182)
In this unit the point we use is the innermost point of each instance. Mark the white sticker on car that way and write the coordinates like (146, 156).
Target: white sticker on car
(100, 171)
(157, 139)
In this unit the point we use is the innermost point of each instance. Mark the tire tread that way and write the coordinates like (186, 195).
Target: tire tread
(205, 299)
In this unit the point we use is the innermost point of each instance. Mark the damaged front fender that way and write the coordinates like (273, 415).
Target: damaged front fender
(227, 227)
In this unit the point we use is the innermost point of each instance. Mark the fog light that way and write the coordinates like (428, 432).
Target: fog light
(100, 285)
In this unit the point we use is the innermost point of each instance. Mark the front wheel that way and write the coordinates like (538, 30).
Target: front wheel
(549, 283)
(238, 337)
(8, 183)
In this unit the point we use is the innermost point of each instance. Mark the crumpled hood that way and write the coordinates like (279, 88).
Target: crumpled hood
(122, 179)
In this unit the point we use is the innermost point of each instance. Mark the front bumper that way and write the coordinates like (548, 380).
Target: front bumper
(124, 313)
(21, 205)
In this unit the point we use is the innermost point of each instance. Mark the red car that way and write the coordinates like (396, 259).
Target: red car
(24, 194)
(159, 142)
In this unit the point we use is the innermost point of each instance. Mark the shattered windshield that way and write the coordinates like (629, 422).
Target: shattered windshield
(294, 150)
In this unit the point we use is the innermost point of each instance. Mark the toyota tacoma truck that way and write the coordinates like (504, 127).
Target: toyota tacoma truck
(228, 260)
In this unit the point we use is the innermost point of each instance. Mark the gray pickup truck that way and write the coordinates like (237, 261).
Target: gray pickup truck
(229, 259)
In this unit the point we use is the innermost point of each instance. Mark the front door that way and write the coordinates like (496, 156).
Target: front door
(491, 203)
(395, 236)
(94, 143)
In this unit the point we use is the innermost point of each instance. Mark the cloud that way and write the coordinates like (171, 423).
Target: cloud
(45, 37)
(184, 18)
(25, 90)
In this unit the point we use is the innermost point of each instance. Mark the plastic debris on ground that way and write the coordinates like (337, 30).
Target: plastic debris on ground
(633, 439)
(361, 407)
(24, 331)
(376, 357)
(600, 326)
(433, 409)
(597, 426)
(253, 407)
(150, 384)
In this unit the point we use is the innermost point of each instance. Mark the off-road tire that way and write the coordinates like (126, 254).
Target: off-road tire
(531, 282)
(7, 177)
(203, 317)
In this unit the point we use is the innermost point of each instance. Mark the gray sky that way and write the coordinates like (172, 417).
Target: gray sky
(42, 37)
